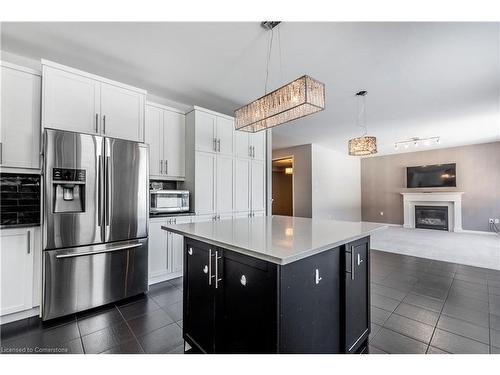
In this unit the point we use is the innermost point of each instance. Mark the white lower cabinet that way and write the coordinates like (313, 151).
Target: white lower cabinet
(20, 269)
(166, 250)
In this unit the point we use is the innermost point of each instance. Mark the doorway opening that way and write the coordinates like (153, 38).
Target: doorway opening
(282, 188)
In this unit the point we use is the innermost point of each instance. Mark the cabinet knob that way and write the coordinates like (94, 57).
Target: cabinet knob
(190, 251)
(243, 280)
(205, 269)
(318, 278)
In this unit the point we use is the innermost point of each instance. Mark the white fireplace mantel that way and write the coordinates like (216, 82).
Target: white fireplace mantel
(451, 199)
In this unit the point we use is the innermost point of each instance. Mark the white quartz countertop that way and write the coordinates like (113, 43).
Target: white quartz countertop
(277, 239)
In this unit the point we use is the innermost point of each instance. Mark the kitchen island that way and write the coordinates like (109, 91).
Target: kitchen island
(276, 284)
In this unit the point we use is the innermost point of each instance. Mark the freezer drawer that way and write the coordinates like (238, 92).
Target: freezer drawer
(77, 279)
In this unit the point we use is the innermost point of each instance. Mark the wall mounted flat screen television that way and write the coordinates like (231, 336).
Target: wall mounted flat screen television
(427, 176)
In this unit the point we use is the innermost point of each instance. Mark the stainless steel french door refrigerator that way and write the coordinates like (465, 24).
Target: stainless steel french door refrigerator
(95, 221)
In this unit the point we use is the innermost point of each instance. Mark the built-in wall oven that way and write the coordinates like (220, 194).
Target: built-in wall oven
(169, 201)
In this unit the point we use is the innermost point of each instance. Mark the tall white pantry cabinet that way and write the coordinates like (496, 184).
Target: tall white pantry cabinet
(226, 169)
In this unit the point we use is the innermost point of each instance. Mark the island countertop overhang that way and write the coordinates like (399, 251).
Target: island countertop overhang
(277, 239)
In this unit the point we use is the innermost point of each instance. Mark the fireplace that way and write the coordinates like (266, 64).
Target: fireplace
(431, 217)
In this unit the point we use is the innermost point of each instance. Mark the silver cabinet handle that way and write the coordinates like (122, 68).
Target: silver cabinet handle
(215, 144)
(209, 266)
(97, 123)
(161, 166)
(218, 145)
(359, 259)
(205, 269)
(166, 166)
(318, 278)
(352, 262)
(243, 280)
(190, 251)
(253, 151)
(250, 151)
(104, 124)
(125, 247)
(28, 234)
(217, 269)
(1, 153)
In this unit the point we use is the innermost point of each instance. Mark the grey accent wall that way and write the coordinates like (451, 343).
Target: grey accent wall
(383, 178)
(302, 182)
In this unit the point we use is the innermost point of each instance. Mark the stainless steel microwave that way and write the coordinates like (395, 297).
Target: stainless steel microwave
(169, 201)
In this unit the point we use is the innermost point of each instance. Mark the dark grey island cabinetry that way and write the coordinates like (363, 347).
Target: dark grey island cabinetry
(278, 299)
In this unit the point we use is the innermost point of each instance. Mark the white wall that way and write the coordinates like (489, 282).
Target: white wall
(336, 185)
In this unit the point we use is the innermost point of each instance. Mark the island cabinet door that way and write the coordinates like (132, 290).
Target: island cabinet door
(246, 304)
(310, 304)
(198, 319)
(356, 295)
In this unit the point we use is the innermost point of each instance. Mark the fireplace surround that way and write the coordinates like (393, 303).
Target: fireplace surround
(451, 199)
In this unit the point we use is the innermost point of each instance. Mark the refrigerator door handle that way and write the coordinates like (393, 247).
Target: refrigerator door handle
(117, 248)
(107, 197)
(99, 191)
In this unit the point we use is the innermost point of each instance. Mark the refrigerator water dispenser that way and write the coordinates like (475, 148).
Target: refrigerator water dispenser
(69, 190)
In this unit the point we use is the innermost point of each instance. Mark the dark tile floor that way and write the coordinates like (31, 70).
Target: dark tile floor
(149, 323)
(418, 306)
(426, 306)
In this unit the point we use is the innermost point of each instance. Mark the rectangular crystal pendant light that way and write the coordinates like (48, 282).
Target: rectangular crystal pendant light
(296, 99)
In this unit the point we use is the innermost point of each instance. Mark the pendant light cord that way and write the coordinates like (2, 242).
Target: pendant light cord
(269, 58)
(361, 119)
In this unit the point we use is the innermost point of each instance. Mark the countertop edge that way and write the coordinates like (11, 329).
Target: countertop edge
(275, 260)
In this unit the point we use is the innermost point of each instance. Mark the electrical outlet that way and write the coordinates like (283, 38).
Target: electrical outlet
(381, 213)
(490, 221)
(497, 221)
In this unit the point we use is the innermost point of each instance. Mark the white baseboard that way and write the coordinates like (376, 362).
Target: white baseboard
(386, 224)
(35, 311)
(477, 232)
(162, 278)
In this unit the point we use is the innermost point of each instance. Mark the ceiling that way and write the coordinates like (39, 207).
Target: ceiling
(423, 79)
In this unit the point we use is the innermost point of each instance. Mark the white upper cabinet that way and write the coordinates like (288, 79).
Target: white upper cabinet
(258, 143)
(17, 247)
(205, 132)
(225, 135)
(241, 145)
(122, 113)
(174, 143)
(70, 101)
(154, 138)
(166, 135)
(78, 101)
(20, 117)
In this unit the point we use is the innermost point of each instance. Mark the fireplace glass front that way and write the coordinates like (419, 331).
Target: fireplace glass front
(431, 217)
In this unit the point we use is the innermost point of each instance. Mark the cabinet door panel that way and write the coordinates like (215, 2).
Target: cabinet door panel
(241, 145)
(205, 183)
(154, 137)
(174, 140)
(357, 294)
(20, 103)
(198, 308)
(310, 311)
(224, 185)
(241, 185)
(246, 305)
(158, 250)
(225, 133)
(16, 270)
(205, 132)
(258, 141)
(70, 101)
(258, 188)
(122, 113)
